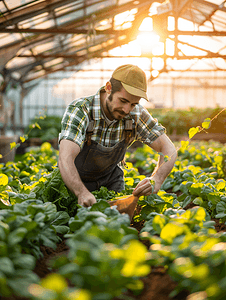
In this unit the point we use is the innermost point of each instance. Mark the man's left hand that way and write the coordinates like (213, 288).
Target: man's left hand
(145, 187)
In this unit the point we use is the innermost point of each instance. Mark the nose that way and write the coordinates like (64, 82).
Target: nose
(127, 108)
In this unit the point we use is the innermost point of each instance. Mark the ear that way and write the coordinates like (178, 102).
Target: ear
(108, 87)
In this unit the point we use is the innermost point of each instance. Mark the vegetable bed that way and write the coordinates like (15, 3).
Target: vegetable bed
(175, 246)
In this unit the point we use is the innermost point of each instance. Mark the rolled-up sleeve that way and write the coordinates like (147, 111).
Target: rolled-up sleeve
(74, 124)
(148, 128)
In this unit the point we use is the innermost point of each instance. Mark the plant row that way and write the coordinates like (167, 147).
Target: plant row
(105, 256)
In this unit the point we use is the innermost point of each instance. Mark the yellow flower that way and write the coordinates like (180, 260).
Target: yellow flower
(54, 282)
(3, 179)
(136, 251)
(45, 146)
(79, 295)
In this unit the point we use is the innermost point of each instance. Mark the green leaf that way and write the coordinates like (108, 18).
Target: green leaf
(166, 158)
(75, 225)
(221, 207)
(186, 201)
(220, 215)
(20, 284)
(192, 131)
(184, 145)
(198, 201)
(30, 225)
(22, 139)
(196, 188)
(40, 218)
(214, 198)
(220, 185)
(4, 229)
(206, 124)
(24, 261)
(61, 229)
(47, 241)
(3, 248)
(61, 217)
(14, 145)
(159, 222)
(37, 125)
(100, 206)
(16, 236)
(146, 211)
(6, 266)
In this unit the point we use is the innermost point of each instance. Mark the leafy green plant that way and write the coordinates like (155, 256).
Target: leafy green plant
(101, 267)
(36, 208)
(55, 286)
(186, 243)
(46, 128)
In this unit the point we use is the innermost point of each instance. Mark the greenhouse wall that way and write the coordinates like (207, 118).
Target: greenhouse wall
(53, 94)
(193, 89)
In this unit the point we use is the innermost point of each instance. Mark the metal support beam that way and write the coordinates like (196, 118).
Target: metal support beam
(164, 56)
(197, 33)
(107, 31)
(60, 31)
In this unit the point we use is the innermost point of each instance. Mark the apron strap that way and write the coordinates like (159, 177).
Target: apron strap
(89, 131)
(128, 136)
(128, 130)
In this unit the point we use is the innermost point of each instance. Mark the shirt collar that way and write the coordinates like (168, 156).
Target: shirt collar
(96, 105)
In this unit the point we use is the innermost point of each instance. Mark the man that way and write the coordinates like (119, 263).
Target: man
(97, 130)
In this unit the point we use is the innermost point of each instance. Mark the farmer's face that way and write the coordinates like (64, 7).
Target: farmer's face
(120, 105)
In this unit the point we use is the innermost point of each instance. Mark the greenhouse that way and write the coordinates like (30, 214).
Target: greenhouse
(112, 150)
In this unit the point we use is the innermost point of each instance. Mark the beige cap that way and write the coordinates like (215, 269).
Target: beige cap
(133, 80)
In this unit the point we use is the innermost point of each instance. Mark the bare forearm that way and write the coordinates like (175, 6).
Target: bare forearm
(164, 167)
(67, 154)
(71, 176)
(164, 146)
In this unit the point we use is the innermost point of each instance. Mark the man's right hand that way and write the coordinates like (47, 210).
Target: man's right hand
(67, 154)
(86, 199)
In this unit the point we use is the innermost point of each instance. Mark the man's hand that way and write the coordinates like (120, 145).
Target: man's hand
(164, 146)
(86, 199)
(147, 186)
(144, 188)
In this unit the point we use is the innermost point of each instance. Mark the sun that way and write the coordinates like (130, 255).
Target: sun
(147, 38)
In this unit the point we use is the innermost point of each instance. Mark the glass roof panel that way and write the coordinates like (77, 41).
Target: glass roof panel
(219, 20)
(43, 19)
(53, 62)
(6, 39)
(20, 61)
(12, 4)
(98, 6)
(217, 2)
(69, 7)
(64, 19)
(33, 22)
(43, 47)
(45, 24)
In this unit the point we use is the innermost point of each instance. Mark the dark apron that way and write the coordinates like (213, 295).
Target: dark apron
(97, 165)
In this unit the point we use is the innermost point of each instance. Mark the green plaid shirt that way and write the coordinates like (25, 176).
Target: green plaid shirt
(76, 119)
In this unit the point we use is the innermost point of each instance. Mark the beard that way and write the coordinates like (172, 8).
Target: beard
(115, 114)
